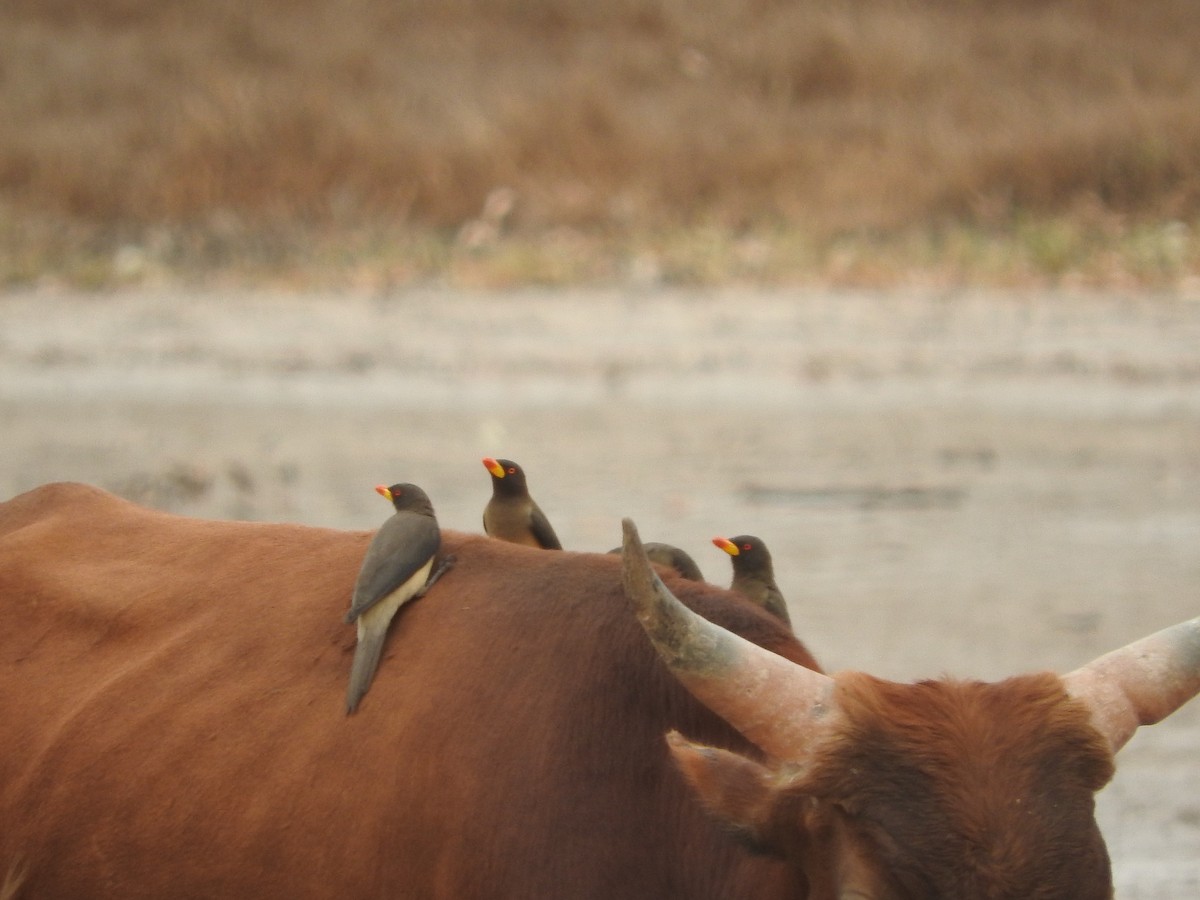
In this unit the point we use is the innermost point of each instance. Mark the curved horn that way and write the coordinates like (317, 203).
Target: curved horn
(778, 705)
(1140, 684)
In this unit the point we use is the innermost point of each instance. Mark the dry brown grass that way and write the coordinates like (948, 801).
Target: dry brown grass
(1050, 137)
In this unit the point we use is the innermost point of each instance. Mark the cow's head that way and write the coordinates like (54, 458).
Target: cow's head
(939, 789)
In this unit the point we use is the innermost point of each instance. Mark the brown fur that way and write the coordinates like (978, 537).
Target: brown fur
(172, 697)
(14, 878)
(968, 789)
(941, 789)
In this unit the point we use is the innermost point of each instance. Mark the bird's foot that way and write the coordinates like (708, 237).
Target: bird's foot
(444, 566)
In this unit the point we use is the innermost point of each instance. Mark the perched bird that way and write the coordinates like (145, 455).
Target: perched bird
(753, 574)
(394, 571)
(512, 515)
(666, 555)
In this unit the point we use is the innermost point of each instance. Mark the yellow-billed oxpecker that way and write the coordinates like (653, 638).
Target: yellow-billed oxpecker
(511, 514)
(395, 570)
(667, 555)
(753, 574)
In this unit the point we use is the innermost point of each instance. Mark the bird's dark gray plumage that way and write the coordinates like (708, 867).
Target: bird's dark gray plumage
(668, 555)
(394, 571)
(511, 514)
(753, 573)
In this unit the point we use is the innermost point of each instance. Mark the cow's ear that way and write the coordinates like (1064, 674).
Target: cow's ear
(739, 792)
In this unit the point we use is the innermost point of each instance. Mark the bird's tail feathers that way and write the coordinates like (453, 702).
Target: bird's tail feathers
(366, 661)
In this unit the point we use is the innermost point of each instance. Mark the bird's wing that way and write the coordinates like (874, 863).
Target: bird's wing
(540, 526)
(686, 566)
(778, 605)
(402, 545)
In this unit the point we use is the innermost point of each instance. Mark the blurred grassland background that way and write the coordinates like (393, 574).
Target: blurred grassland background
(378, 143)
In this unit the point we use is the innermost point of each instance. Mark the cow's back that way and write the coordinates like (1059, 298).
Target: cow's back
(173, 690)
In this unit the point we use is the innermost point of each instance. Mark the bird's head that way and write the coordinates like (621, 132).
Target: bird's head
(506, 475)
(747, 551)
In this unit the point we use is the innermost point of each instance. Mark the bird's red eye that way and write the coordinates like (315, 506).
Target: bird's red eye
(745, 546)
(512, 470)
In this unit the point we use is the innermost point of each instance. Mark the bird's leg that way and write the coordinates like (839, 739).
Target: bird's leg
(445, 565)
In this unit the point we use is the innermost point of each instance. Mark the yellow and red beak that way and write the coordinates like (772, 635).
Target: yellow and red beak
(494, 467)
(727, 545)
(382, 491)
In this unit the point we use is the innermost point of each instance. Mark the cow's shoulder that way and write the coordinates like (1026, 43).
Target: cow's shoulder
(57, 498)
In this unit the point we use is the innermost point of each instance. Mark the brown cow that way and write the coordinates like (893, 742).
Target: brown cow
(171, 695)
